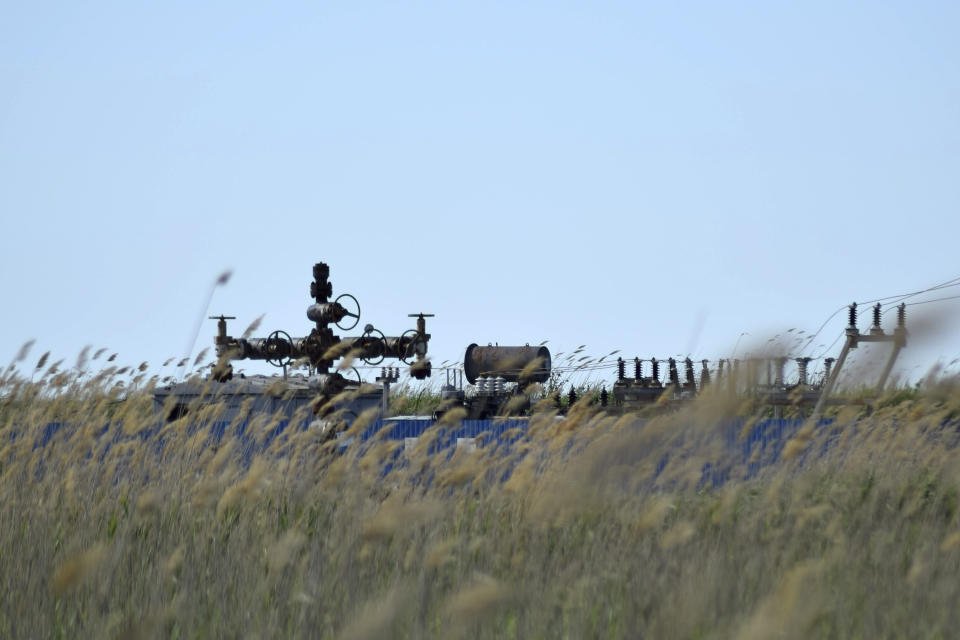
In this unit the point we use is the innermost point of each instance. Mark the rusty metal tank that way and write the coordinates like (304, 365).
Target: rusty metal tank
(532, 364)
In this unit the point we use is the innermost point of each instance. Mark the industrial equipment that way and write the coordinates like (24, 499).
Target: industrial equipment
(321, 348)
(500, 377)
(318, 350)
(524, 364)
(746, 377)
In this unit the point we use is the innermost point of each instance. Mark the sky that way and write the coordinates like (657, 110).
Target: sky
(654, 178)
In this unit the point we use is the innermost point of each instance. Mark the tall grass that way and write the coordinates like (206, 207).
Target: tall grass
(604, 528)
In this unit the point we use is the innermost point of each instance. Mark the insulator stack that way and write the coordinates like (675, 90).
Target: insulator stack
(720, 365)
(704, 373)
(827, 368)
(674, 376)
(621, 372)
(655, 366)
(498, 385)
(572, 397)
(482, 384)
(688, 367)
(637, 370)
(852, 315)
(876, 329)
(802, 370)
(391, 374)
(603, 397)
(902, 315)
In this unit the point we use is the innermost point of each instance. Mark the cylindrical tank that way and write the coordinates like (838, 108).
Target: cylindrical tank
(510, 363)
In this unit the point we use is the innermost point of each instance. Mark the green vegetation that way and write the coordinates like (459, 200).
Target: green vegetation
(584, 539)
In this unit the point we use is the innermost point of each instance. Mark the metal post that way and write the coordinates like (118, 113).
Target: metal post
(387, 376)
(851, 343)
(853, 336)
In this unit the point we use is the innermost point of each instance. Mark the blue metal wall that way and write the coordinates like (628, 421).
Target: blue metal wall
(762, 447)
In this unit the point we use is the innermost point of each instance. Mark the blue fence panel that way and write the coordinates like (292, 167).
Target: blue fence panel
(760, 447)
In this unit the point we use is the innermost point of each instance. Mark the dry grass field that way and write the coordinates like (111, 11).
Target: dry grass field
(106, 535)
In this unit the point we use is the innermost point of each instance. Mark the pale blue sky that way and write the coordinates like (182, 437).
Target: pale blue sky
(602, 174)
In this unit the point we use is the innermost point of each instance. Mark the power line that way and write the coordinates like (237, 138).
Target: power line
(832, 344)
(911, 304)
(825, 322)
(953, 282)
(903, 296)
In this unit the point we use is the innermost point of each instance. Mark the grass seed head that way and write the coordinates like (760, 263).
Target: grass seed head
(281, 552)
(76, 569)
(377, 618)
(477, 599)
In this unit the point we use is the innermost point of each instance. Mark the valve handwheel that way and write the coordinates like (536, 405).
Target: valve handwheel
(374, 346)
(278, 348)
(346, 297)
(357, 373)
(410, 345)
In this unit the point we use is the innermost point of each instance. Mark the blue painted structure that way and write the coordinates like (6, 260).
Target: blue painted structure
(761, 447)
